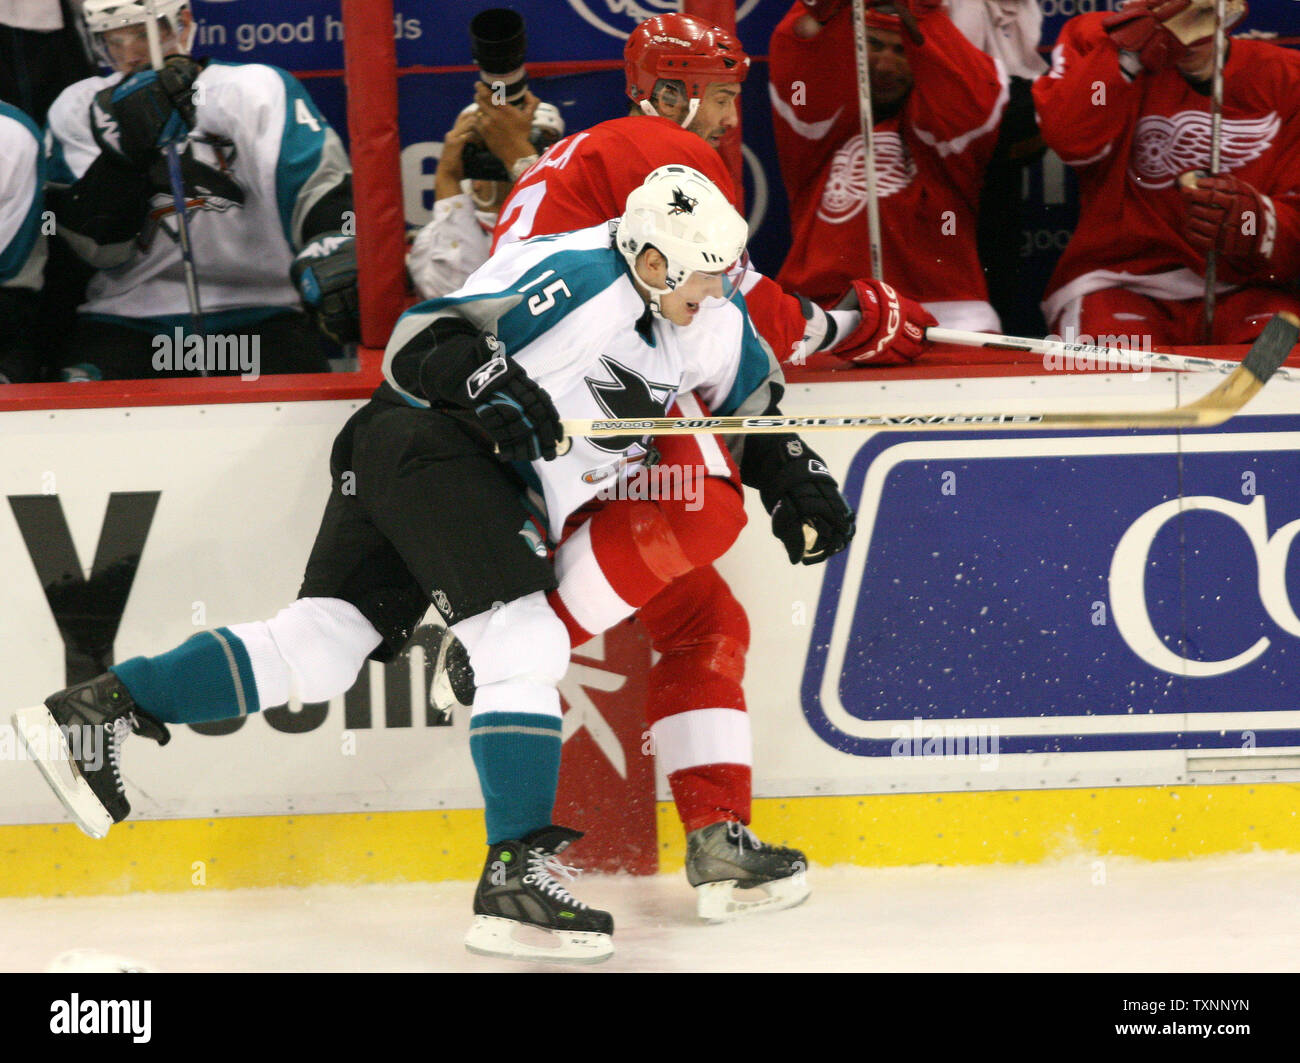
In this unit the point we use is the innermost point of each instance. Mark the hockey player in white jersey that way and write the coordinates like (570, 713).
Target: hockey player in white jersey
(22, 245)
(267, 190)
(448, 490)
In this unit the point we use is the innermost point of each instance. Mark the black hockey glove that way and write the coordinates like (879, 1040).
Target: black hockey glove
(809, 515)
(133, 119)
(514, 410)
(325, 273)
(450, 362)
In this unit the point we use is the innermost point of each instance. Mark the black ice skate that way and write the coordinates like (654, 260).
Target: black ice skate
(735, 874)
(453, 677)
(75, 739)
(523, 912)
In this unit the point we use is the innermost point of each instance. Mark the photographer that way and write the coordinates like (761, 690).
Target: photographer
(495, 139)
(458, 238)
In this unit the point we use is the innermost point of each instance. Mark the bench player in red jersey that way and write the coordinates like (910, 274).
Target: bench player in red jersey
(1127, 106)
(654, 559)
(937, 106)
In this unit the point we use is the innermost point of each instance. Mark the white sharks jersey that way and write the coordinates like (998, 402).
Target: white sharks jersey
(567, 312)
(272, 156)
(22, 173)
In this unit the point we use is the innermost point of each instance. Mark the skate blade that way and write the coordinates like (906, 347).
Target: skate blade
(512, 940)
(48, 748)
(721, 902)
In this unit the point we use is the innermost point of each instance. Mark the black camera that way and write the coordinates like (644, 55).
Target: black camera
(498, 43)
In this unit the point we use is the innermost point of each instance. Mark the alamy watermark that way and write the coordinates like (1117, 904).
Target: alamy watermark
(84, 744)
(960, 741)
(1078, 351)
(655, 483)
(212, 353)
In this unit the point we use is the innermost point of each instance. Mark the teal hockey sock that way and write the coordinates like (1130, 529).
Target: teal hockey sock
(207, 677)
(517, 755)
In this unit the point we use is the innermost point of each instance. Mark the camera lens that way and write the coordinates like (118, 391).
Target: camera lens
(498, 41)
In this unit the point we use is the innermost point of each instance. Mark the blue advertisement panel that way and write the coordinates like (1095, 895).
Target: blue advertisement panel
(1081, 592)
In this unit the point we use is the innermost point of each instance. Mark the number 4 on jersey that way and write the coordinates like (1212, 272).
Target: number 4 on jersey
(304, 116)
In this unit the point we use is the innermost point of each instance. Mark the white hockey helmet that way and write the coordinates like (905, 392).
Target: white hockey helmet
(686, 218)
(548, 119)
(105, 15)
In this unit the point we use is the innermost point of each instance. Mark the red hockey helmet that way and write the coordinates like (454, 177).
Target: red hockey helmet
(681, 48)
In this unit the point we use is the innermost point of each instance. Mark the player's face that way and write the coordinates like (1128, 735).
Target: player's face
(891, 73)
(717, 114)
(127, 48)
(682, 304)
(1198, 63)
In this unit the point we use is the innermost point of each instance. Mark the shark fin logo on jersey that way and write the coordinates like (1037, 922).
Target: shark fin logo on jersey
(627, 394)
(210, 186)
(682, 203)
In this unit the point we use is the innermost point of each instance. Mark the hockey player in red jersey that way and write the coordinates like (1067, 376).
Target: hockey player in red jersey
(656, 558)
(937, 107)
(684, 79)
(1127, 105)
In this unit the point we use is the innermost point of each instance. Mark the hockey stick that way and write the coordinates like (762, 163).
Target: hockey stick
(179, 202)
(1116, 356)
(1261, 362)
(1216, 142)
(867, 122)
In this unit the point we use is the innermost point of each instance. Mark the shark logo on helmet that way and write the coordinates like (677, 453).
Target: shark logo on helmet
(682, 203)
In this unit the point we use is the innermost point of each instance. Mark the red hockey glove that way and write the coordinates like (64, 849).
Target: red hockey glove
(1226, 214)
(892, 324)
(1138, 27)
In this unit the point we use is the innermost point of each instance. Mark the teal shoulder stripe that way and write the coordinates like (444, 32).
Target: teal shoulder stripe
(552, 289)
(300, 148)
(755, 365)
(542, 296)
(14, 257)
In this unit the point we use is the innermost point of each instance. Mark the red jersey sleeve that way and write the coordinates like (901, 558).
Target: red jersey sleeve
(1085, 101)
(585, 178)
(957, 98)
(813, 88)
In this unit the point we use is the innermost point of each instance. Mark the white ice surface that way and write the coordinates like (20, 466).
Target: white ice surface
(1234, 913)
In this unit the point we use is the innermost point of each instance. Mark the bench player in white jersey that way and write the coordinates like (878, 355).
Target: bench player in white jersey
(448, 489)
(22, 246)
(266, 179)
